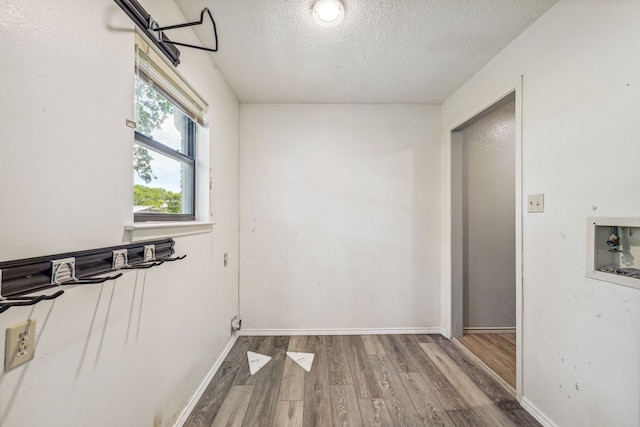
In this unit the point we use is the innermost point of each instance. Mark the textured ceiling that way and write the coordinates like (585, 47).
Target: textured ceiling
(385, 51)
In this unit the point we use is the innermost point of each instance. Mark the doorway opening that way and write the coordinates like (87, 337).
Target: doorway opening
(484, 236)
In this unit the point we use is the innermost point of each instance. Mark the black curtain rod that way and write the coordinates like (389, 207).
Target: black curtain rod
(144, 21)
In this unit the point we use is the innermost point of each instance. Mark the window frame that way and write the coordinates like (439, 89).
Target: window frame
(193, 107)
(149, 143)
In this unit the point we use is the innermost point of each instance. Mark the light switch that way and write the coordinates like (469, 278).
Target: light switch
(535, 203)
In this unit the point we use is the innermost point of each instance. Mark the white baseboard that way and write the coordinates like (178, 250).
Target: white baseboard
(203, 385)
(354, 331)
(536, 413)
(490, 330)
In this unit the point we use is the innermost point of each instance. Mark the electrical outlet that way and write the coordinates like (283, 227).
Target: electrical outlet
(226, 259)
(20, 345)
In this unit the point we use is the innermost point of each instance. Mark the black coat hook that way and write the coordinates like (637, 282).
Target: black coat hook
(163, 39)
(150, 264)
(92, 281)
(24, 301)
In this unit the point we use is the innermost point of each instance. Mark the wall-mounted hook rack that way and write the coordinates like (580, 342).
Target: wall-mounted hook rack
(156, 33)
(26, 276)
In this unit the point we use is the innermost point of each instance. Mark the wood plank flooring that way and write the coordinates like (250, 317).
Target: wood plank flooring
(497, 351)
(372, 380)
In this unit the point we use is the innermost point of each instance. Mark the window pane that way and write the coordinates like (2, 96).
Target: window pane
(160, 119)
(165, 185)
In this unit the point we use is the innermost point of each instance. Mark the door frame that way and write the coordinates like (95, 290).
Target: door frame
(452, 255)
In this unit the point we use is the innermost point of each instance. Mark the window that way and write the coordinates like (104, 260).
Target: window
(168, 115)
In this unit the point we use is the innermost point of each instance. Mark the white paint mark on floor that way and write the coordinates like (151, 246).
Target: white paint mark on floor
(256, 361)
(305, 360)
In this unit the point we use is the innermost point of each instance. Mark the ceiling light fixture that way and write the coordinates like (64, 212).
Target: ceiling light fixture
(328, 13)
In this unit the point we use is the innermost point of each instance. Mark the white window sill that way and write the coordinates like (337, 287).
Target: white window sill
(146, 230)
(166, 224)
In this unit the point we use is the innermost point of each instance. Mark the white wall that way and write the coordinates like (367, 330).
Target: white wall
(580, 104)
(131, 352)
(489, 160)
(340, 216)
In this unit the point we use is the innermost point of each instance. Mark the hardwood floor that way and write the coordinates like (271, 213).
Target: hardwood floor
(497, 351)
(384, 380)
